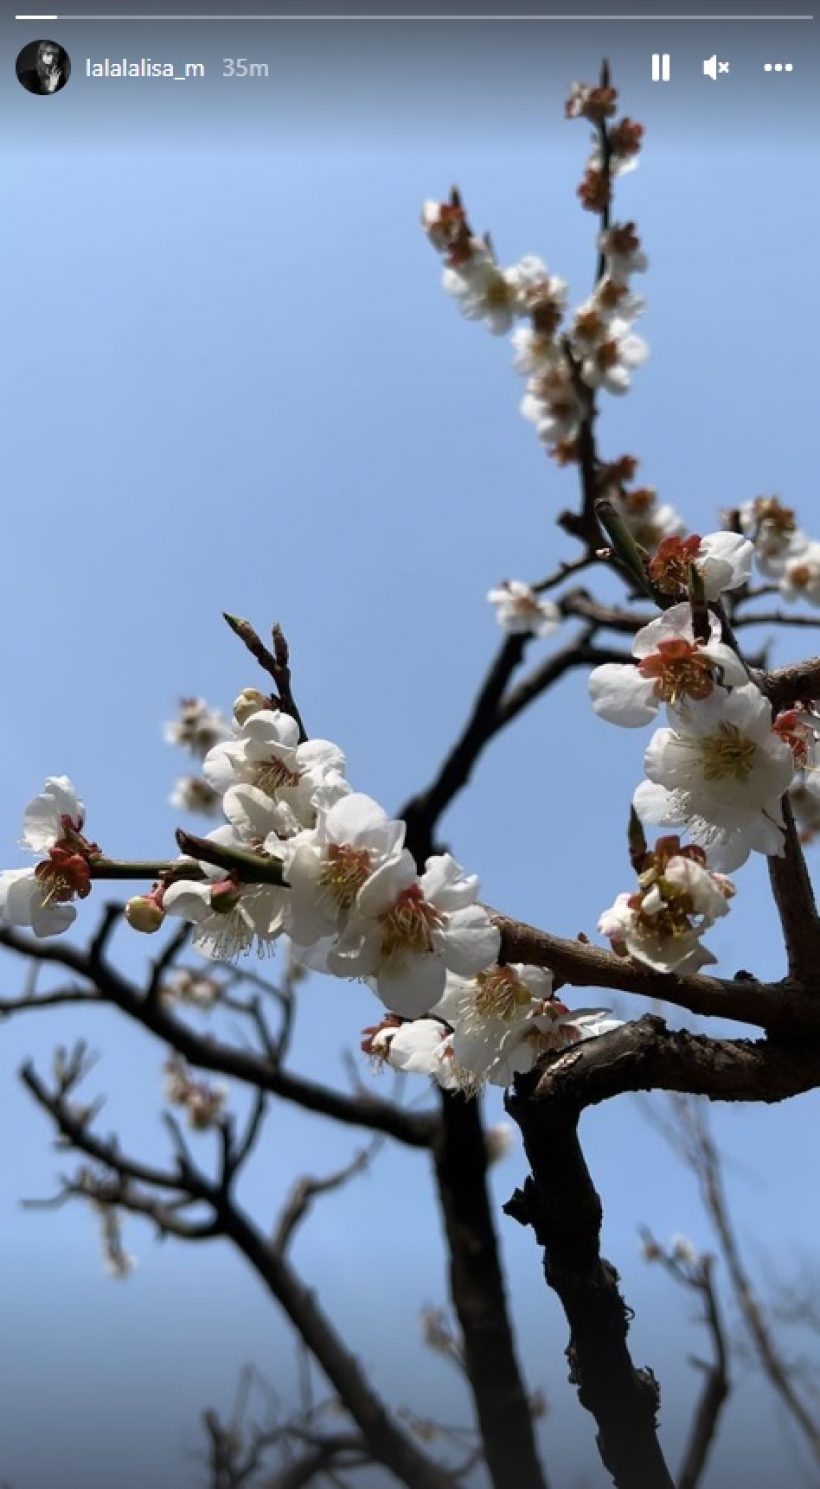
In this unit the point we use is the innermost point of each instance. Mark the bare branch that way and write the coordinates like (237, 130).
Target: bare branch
(306, 1189)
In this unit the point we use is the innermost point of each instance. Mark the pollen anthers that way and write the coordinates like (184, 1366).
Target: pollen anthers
(500, 993)
(272, 775)
(680, 670)
(64, 874)
(344, 871)
(669, 566)
(728, 753)
(409, 923)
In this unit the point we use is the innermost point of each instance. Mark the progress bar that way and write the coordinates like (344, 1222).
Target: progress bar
(72, 16)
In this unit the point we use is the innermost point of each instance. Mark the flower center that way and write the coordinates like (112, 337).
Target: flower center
(62, 875)
(679, 670)
(728, 753)
(344, 871)
(500, 993)
(409, 924)
(498, 293)
(272, 775)
(800, 576)
(669, 566)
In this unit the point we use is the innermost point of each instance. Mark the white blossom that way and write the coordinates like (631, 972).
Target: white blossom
(721, 770)
(267, 754)
(722, 559)
(193, 794)
(621, 247)
(408, 931)
(610, 364)
(661, 924)
(671, 667)
(800, 579)
(328, 867)
(197, 727)
(519, 611)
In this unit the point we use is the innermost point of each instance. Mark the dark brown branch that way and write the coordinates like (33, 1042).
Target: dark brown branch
(774, 1006)
(797, 683)
(423, 811)
(417, 1129)
(646, 1055)
(579, 653)
(560, 1202)
(478, 1295)
(388, 1443)
(492, 711)
(794, 898)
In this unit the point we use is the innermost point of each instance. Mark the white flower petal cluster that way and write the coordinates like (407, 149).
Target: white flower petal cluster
(203, 1102)
(720, 769)
(782, 551)
(197, 727)
(40, 898)
(601, 350)
(671, 666)
(723, 561)
(487, 1028)
(353, 903)
(520, 612)
(677, 900)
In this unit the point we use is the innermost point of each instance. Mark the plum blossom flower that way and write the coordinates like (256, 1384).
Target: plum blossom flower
(194, 988)
(520, 612)
(329, 866)
(230, 916)
(610, 363)
(552, 404)
(773, 529)
(723, 560)
(197, 727)
(720, 770)
(483, 1009)
(203, 1101)
(267, 754)
(679, 898)
(40, 898)
(193, 794)
(408, 931)
(421, 1046)
(589, 101)
(648, 520)
(622, 250)
(484, 292)
(671, 666)
(800, 579)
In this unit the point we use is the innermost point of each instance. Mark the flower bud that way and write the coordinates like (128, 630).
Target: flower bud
(144, 914)
(250, 701)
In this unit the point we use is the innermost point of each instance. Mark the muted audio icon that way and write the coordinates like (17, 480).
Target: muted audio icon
(712, 67)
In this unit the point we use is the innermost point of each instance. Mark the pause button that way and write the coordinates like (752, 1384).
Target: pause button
(661, 67)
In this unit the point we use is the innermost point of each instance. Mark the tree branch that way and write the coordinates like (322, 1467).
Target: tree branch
(477, 1291)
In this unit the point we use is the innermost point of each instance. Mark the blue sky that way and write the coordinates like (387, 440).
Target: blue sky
(232, 382)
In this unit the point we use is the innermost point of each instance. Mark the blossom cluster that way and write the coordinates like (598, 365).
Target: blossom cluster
(782, 550)
(302, 854)
(203, 1102)
(486, 1029)
(196, 729)
(719, 769)
(648, 519)
(563, 359)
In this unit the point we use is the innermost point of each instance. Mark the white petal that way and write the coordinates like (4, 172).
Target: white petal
(621, 696)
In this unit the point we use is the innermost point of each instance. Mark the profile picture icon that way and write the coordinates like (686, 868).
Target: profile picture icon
(43, 67)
